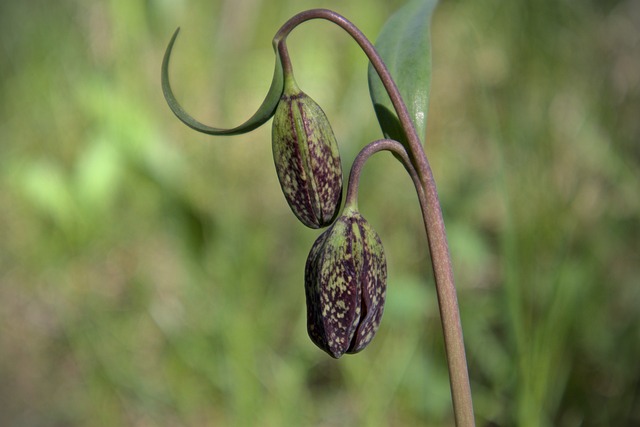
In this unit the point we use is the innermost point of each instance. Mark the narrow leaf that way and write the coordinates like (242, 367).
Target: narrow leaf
(405, 47)
(264, 113)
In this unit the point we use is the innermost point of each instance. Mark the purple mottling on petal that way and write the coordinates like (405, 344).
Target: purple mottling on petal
(345, 282)
(307, 160)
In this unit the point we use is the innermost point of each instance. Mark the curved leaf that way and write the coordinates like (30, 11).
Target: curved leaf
(405, 47)
(264, 113)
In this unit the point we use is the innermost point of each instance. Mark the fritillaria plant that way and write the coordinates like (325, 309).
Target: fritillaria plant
(346, 270)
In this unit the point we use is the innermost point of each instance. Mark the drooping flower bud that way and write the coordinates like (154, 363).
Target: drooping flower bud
(345, 285)
(306, 156)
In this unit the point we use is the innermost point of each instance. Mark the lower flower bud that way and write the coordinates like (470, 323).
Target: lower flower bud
(345, 285)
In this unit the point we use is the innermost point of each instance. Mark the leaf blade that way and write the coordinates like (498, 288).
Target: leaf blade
(405, 46)
(261, 116)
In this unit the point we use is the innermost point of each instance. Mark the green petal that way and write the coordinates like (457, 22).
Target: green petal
(405, 47)
(263, 114)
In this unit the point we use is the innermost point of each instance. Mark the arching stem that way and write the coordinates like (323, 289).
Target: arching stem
(432, 212)
(369, 150)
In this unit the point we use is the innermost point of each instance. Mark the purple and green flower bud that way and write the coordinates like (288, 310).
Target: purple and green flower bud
(345, 285)
(306, 156)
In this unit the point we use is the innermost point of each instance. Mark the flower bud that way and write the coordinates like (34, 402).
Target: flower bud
(306, 156)
(345, 285)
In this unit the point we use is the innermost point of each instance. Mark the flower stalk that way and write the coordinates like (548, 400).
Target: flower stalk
(431, 211)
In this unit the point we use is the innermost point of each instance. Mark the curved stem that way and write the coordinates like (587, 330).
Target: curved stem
(432, 214)
(369, 150)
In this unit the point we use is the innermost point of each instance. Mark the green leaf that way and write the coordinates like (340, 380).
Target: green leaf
(405, 47)
(264, 113)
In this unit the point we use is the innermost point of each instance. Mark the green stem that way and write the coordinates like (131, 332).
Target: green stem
(432, 214)
(369, 150)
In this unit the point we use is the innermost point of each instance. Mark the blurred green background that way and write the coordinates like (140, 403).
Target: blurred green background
(152, 276)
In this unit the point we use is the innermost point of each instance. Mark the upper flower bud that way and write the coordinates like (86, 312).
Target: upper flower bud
(306, 156)
(345, 284)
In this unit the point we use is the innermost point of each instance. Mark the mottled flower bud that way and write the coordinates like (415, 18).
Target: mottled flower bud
(345, 285)
(306, 156)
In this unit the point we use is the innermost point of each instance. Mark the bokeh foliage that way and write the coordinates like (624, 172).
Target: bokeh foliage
(150, 275)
